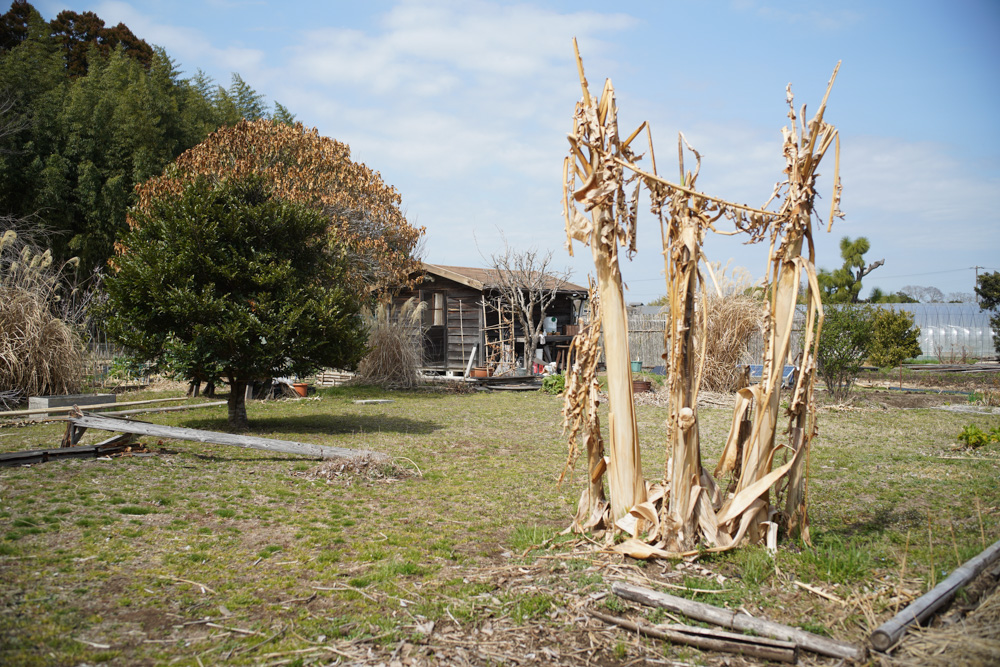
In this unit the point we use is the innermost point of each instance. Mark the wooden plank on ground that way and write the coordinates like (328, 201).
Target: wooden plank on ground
(245, 441)
(733, 620)
(709, 639)
(109, 446)
(69, 408)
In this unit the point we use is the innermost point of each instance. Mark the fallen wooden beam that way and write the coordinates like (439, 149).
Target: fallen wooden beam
(69, 408)
(246, 441)
(149, 411)
(109, 446)
(733, 620)
(923, 607)
(710, 640)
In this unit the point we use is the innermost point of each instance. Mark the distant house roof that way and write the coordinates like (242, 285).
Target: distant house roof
(483, 279)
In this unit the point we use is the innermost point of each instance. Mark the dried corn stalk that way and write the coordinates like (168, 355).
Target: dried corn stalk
(596, 150)
(692, 512)
(581, 423)
(688, 517)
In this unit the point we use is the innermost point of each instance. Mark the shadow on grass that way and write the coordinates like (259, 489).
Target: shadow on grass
(278, 427)
(880, 521)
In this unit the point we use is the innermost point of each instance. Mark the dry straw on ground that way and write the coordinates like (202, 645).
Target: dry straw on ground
(40, 353)
(974, 642)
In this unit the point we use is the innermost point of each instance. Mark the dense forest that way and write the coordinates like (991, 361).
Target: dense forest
(88, 111)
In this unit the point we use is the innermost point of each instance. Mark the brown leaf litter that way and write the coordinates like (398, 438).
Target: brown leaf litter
(370, 469)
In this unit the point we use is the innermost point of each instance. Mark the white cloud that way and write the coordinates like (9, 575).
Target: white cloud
(824, 19)
(190, 46)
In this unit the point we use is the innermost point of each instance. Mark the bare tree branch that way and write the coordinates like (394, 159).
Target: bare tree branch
(529, 283)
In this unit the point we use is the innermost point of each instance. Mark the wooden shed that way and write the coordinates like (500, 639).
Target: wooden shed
(461, 316)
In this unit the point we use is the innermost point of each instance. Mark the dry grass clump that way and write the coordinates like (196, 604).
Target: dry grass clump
(393, 346)
(734, 325)
(40, 353)
(975, 641)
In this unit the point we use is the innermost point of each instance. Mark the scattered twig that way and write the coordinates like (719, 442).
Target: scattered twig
(308, 599)
(228, 629)
(820, 592)
(203, 587)
(403, 458)
(345, 587)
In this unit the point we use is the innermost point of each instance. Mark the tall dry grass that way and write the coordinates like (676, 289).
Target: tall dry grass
(40, 352)
(734, 320)
(394, 353)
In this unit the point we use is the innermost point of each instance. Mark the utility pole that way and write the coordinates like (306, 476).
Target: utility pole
(976, 284)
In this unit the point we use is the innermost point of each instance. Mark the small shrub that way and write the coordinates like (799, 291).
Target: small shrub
(974, 437)
(843, 346)
(733, 325)
(554, 384)
(40, 349)
(894, 338)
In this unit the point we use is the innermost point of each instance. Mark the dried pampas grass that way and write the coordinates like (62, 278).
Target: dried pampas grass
(734, 316)
(40, 353)
(393, 346)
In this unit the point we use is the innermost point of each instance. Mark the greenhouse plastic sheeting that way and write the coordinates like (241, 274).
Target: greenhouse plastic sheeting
(949, 331)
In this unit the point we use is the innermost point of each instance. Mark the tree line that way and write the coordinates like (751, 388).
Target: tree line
(87, 112)
(230, 242)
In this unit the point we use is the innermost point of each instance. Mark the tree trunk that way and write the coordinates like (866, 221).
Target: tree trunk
(237, 405)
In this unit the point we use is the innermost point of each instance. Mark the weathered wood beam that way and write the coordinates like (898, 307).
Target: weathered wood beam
(69, 408)
(245, 441)
(733, 620)
(710, 640)
(109, 446)
(149, 411)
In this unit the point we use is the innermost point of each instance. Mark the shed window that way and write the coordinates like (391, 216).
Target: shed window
(438, 309)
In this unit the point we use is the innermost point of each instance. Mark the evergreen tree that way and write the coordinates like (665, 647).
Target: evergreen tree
(843, 285)
(86, 113)
(988, 291)
(225, 275)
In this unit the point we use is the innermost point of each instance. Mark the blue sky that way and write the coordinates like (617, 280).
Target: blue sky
(464, 107)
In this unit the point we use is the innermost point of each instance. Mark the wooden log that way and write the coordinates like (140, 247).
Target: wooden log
(733, 620)
(710, 640)
(69, 408)
(887, 634)
(246, 441)
(149, 411)
(31, 456)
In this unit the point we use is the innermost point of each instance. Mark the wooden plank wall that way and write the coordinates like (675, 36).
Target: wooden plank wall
(465, 316)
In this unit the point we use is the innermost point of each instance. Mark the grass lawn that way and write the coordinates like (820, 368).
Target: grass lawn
(205, 553)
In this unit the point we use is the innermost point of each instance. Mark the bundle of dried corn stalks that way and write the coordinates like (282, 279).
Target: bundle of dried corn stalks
(688, 511)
